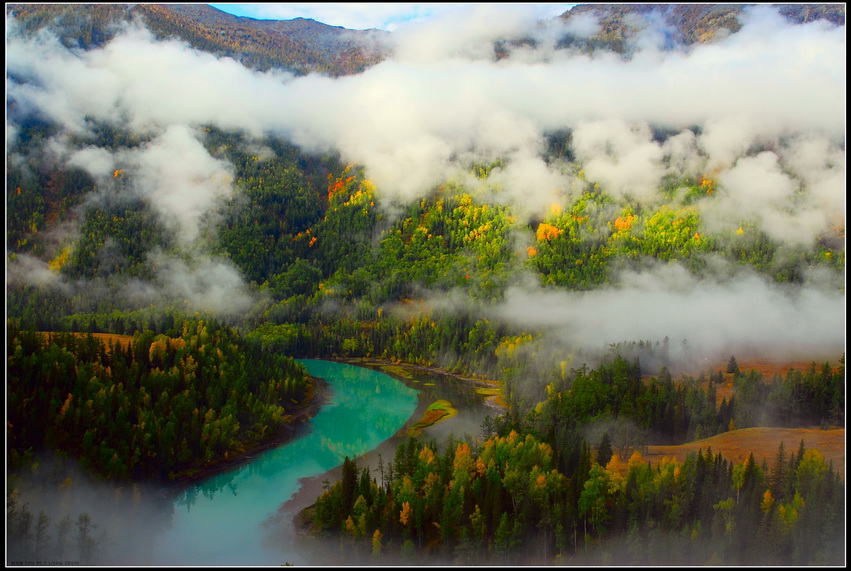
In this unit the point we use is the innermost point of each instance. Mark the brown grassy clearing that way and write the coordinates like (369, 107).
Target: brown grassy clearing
(736, 445)
(768, 367)
(107, 338)
(765, 366)
(763, 442)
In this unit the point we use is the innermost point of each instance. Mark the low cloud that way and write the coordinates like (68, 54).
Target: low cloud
(413, 118)
(715, 318)
(197, 283)
(203, 284)
(177, 176)
(468, 32)
(24, 269)
(762, 111)
(621, 157)
(758, 189)
(96, 161)
(532, 173)
(819, 164)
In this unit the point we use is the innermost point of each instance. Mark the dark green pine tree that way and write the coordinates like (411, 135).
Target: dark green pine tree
(349, 483)
(732, 366)
(777, 478)
(604, 450)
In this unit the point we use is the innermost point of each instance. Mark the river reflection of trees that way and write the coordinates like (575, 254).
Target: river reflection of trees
(367, 409)
(462, 393)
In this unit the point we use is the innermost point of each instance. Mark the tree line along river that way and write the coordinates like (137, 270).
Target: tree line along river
(220, 521)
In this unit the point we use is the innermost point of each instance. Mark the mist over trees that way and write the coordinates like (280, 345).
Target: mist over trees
(510, 502)
(568, 208)
(32, 537)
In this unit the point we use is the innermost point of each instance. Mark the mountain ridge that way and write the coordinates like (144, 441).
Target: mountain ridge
(297, 45)
(685, 24)
(304, 45)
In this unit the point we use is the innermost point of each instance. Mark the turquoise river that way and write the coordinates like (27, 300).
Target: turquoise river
(223, 520)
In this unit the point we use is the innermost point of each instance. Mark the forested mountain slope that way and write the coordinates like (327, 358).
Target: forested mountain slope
(304, 46)
(686, 24)
(300, 46)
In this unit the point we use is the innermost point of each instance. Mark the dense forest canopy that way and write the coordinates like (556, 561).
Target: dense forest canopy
(563, 206)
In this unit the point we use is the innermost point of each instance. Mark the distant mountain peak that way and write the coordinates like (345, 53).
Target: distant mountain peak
(687, 24)
(301, 45)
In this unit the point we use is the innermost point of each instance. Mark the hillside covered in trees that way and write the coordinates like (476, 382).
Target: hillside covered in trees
(533, 490)
(160, 407)
(298, 46)
(572, 208)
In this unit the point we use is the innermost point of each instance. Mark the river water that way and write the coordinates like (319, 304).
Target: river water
(232, 519)
(221, 520)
